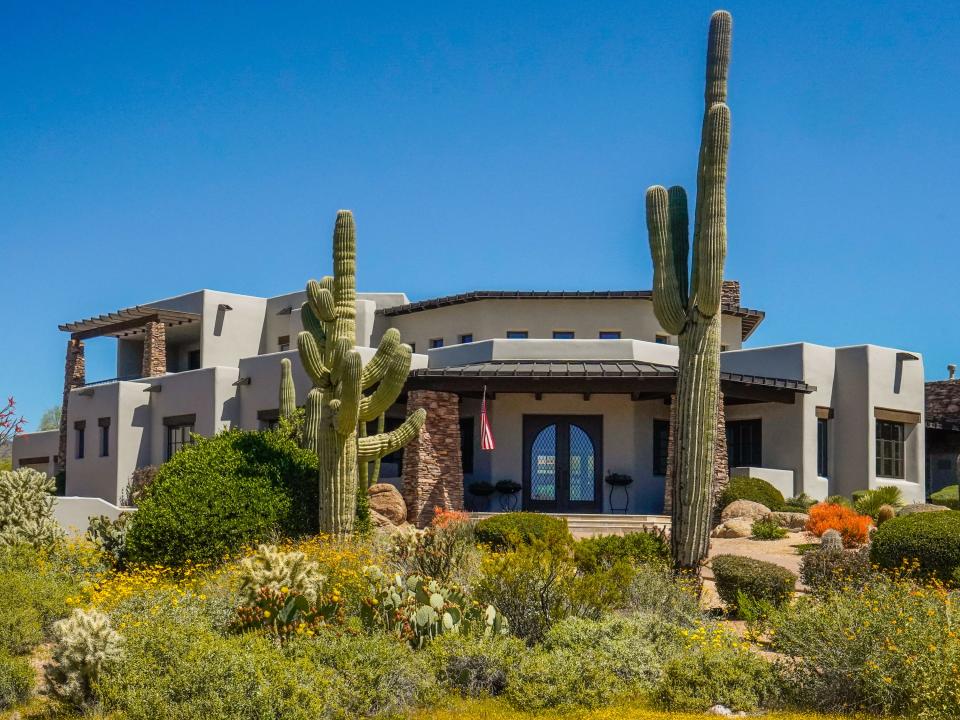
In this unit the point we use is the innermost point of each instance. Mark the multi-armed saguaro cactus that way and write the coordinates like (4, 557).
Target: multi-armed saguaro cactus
(691, 310)
(337, 405)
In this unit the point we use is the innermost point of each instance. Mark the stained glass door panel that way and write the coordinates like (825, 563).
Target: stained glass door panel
(543, 465)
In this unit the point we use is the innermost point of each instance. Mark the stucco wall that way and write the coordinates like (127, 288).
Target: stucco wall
(37, 445)
(492, 318)
(229, 335)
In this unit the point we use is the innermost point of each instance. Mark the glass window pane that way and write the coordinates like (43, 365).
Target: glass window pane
(582, 478)
(543, 465)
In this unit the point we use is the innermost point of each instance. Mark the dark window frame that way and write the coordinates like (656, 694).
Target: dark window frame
(465, 338)
(661, 447)
(104, 425)
(745, 443)
(662, 339)
(891, 446)
(283, 343)
(610, 335)
(467, 435)
(79, 429)
(518, 335)
(180, 429)
(823, 447)
(564, 335)
(435, 343)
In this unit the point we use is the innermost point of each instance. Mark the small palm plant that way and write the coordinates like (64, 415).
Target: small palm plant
(870, 502)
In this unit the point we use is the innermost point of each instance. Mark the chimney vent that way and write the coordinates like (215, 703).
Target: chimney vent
(951, 370)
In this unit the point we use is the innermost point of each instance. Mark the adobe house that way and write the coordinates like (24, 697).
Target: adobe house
(578, 386)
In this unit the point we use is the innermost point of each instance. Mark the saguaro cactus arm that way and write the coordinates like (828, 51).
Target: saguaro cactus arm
(288, 394)
(349, 410)
(374, 370)
(310, 357)
(377, 446)
(390, 385)
(321, 301)
(668, 305)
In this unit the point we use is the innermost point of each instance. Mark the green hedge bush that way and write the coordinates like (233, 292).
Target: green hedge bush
(760, 581)
(948, 496)
(755, 489)
(602, 551)
(32, 596)
(932, 539)
(221, 493)
(507, 530)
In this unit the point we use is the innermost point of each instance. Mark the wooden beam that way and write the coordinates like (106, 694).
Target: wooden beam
(898, 416)
(116, 327)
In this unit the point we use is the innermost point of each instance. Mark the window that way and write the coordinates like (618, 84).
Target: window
(104, 424)
(563, 335)
(179, 429)
(723, 348)
(744, 443)
(283, 343)
(413, 347)
(79, 429)
(193, 360)
(466, 338)
(823, 447)
(516, 334)
(466, 445)
(661, 443)
(663, 340)
(609, 335)
(436, 343)
(890, 446)
(269, 419)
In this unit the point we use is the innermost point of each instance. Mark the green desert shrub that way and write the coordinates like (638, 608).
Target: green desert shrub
(474, 666)
(870, 502)
(888, 649)
(561, 679)
(827, 571)
(716, 669)
(754, 489)
(507, 530)
(656, 590)
(948, 496)
(841, 500)
(222, 493)
(602, 551)
(759, 580)
(763, 529)
(800, 503)
(32, 595)
(16, 680)
(930, 539)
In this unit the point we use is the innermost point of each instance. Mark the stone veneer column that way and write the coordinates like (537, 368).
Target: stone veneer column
(74, 376)
(721, 471)
(154, 350)
(432, 466)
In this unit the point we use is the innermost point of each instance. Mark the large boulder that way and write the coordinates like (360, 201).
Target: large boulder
(386, 500)
(744, 509)
(739, 527)
(789, 520)
(921, 508)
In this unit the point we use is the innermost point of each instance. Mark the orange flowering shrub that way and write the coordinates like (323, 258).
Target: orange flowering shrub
(853, 527)
(444, 518)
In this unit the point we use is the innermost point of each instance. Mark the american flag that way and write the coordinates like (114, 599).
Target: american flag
(486, 434)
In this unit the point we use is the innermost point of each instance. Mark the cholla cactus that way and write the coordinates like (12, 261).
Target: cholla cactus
(831, 541)
(84, 645)
(418, 609)
(687, 300)
(283, 572)
(336, 407)
(26, 508)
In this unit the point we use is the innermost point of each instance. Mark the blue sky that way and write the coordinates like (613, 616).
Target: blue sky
(148, 151)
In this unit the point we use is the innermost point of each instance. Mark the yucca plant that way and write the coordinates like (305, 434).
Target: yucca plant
(871, 501)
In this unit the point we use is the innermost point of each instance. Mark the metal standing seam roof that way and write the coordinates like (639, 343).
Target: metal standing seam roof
(751, 318)
(127, 316)
(553, 369)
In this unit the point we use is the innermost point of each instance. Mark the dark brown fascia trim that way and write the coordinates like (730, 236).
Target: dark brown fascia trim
(80, 425)
(174, 420)
(268, 415)
(33, 461)
(103, 422)
(824, 413)
(899, 416)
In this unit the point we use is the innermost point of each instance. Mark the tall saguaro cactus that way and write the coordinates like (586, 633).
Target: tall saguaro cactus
(337, 405)
(288, 396)
(690, 308)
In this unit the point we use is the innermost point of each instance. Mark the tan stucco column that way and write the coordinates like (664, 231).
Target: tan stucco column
(74, 376)
(432, 466)
(154, 350)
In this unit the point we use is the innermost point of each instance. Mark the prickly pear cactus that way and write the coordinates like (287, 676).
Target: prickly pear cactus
(418, 609)
(284, 572)
(84, 645)
(687, 304)
(336, 406)
(831, 541)
(26, 508)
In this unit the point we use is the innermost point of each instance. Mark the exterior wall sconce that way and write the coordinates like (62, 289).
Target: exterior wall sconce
(242, 381)
(153, 388)
(223, 306)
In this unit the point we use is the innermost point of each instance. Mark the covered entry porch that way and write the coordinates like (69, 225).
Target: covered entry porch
(563, 428)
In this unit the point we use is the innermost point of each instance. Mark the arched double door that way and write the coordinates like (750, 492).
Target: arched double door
(563, 463)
